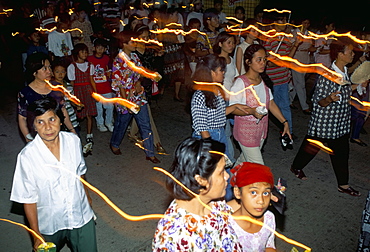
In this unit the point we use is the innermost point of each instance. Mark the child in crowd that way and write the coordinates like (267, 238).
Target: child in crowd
(103, 87)
(80, 73)
(127, 84)
(60, 73)
(35, 45)
(85, 26)
(253, 184)
(60, 43)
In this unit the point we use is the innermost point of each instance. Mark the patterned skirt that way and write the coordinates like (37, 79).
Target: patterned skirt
(84, 94)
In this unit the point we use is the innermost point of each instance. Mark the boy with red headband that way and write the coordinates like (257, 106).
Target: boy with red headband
(253, 184)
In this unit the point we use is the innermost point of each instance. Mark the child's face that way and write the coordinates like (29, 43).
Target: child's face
(100, 49)
(59, 73)
(82, 55)
(240, 15)
(255, 198)
(35, 37)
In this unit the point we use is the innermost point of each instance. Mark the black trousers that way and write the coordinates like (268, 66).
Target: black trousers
(339, 157)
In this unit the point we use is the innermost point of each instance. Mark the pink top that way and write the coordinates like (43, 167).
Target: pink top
(257, 242)
(246, 129)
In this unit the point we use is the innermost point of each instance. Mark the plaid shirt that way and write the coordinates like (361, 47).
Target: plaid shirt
(205, 118)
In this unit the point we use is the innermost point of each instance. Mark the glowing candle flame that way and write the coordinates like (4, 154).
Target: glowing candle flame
(294, 64)
(70, 12)
(6, 10)
(62, 89)
(124, 102)
(73, 29)
(210, 86)
(334, 33)
(177, 32)
(46, 30)
(149, 41)
(246, 218)
(56, 18)
(235, 19)
(141, 70)
(174, 24)
(360, 105)
(321, 146)
(271, 33)
(27, 228)
(276, 10)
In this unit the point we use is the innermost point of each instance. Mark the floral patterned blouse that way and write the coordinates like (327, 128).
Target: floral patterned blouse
(190, 232)
(257, 242)
(124, 77)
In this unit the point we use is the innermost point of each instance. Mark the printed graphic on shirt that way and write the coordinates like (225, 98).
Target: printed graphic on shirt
(99, 75)
(64, 48)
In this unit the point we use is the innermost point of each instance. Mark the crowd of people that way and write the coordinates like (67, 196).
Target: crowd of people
(86, 47)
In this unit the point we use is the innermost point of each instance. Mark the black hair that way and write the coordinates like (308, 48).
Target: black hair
(249, 53)
(40, 107)
(131, 19)
(239, 8)
(100, 42)
(193, 21)
(338, 46)
(208, 15)
(193, 157)
(125, 36)
(141, 28)
(221, 38)
(77, 48)
(34, 62)
(203, 74)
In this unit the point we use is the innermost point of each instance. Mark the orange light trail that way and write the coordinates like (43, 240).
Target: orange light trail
(70, 30)
(361, 105)
(70, 12)
(47, 30)
(334, 33)
(122, 23)
(141, 70)
(294, 64)
(15, 33)
(267, 34)
(124, 102)
(62, 89)
(117, 209)
(278, 11)
(297, 26)
(177, 32)
(149, 41)
(235, 19)
(27, 228)
(175, 24)
(246, 218)
(321, 145)
(97, 3)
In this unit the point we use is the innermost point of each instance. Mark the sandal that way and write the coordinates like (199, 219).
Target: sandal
(349, 191)
(298, 173)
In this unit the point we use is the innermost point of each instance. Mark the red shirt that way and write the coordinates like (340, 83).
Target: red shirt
(100, 66)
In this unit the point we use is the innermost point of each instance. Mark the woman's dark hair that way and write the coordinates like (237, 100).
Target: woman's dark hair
(193, 157)
(77, 48)
(131, 19)
(34, 62)
(40, 107)
(221, 38)
(193, 21)
(338, 46)
(249, 53)
(125, 36)
(203, 74)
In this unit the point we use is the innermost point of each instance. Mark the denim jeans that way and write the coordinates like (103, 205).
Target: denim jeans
(281, 98)
(108, 111)
(143, 122)
(219, 135)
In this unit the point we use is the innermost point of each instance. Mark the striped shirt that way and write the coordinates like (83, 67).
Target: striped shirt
(279, 75)
(205, 118)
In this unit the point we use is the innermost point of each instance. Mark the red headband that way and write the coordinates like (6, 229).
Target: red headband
(248, 173)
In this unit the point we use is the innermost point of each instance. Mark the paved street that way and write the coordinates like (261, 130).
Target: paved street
(317, 215)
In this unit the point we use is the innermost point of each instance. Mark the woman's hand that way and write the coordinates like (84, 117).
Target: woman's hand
(286, 130)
